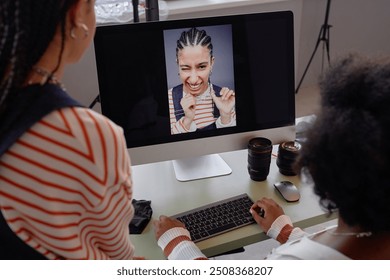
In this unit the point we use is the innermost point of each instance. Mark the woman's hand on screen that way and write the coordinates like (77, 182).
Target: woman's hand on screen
(226, 102)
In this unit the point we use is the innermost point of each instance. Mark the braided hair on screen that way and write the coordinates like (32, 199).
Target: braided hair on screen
(26, 29)
(194, 37)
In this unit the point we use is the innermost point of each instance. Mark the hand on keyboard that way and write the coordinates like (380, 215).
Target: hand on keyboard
(270, 209)
(165, 223)
(218, 217)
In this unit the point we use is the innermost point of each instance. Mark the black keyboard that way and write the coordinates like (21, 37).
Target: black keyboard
(218, 217)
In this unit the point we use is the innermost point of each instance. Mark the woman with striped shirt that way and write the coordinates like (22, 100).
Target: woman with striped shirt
(196, 104)
(65, 184)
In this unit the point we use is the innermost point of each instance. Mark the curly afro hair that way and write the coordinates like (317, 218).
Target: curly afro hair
(347, 153)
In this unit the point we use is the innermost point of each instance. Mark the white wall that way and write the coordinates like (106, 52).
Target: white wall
(358, 25)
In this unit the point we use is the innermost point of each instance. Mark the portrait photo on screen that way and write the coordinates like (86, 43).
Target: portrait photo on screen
(153, 90)
(200, 78)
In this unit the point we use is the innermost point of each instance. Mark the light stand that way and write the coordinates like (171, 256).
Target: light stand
(322, 37)
(151, 10)
(135, 11)
(152, 14)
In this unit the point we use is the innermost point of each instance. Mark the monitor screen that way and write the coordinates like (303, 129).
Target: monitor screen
(193, 87)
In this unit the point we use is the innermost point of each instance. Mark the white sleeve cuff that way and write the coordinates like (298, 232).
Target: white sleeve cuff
(186, 250)
(171, 234)
(180, 126)
(219, 123)
(192, 127)
(277, 226)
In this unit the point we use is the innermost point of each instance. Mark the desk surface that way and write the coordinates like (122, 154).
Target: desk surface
(157, 182)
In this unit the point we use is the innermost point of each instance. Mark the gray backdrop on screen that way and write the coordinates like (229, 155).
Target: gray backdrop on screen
(221, 38)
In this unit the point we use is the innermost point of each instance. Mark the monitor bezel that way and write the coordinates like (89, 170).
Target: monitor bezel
(215, 142)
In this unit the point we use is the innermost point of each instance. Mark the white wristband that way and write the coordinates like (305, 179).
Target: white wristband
(171, 234)
(277, 226)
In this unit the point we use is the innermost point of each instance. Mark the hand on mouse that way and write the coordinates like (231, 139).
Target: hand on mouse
(271, 209)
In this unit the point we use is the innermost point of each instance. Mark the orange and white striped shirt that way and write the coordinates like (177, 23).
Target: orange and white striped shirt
(204, 114)
(66, 188)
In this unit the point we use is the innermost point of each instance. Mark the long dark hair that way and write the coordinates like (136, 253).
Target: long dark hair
(26, 29)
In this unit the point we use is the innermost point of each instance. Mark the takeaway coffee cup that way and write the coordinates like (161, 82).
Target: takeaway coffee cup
(259, 158)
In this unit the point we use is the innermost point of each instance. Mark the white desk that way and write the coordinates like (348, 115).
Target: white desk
(156, 182)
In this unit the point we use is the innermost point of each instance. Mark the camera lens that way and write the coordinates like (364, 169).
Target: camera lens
(259, 144)
(287, 153)
(259, 174)
(259, 158)
(256, 162)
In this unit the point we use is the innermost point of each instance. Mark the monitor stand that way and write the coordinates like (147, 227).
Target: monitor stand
(200, 167)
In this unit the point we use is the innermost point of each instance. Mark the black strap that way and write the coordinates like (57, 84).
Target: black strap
(27, 107)
(177, 95)
(12, 247)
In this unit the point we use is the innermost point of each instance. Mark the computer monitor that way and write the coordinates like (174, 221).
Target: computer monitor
(144, 76)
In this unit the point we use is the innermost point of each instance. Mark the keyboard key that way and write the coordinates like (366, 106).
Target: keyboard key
(218, 217)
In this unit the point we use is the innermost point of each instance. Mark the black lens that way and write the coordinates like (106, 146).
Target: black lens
(259, 158)
(287, 153)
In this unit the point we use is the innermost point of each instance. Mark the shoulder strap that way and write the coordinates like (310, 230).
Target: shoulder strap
(177, 95)
(28, 107)
(12, 247)
(217, 91)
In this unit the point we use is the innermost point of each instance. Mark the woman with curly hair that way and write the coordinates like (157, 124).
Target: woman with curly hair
(347, 158)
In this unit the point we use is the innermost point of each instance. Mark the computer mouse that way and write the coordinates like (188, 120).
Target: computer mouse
(288, 191)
